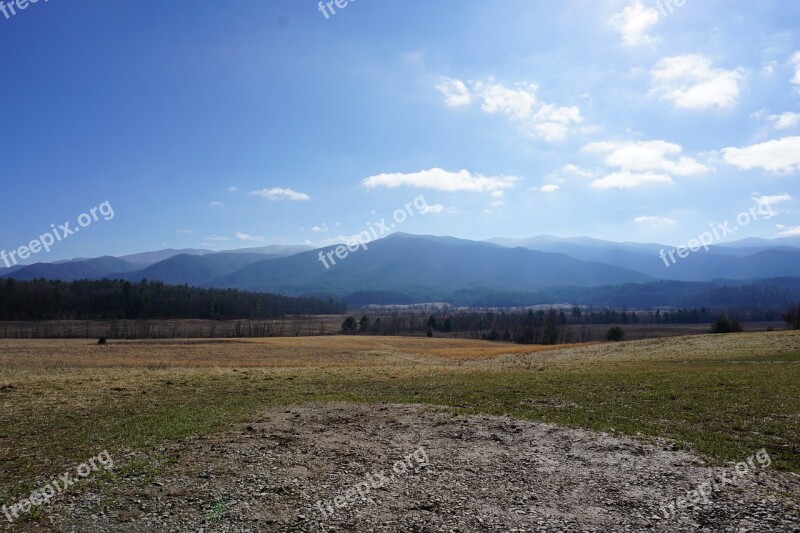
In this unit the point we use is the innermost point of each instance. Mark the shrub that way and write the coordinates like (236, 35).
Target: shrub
(101, 340)
(615, 334)
(724, 324)
(792, 317)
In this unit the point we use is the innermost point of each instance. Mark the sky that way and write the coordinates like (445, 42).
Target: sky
(223, 125)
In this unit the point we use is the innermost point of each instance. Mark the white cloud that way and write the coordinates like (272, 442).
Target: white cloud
(772, 200)
(629, 180)
(216, 204)
(655, 222)
(320, 229)
(785, 121)
(233, 188)
(647, 157)
(455, 92)
(516, 103)
(549, 188)
(520, 104)
(552, 122)
(278, 193)
(795, 60)
(216, 238)
(642, 163)
(569, 168)
(246, 237)
(690, 82)
(436, 209)
(633, 23)
(185, 231)
(791, 232)
(442, 180)
(781, 156)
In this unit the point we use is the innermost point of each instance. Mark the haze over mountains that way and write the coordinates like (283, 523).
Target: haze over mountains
(403, 268)
(186, 266)
(746, 259)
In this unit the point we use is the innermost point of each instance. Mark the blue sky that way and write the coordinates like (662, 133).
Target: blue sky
(231, 124)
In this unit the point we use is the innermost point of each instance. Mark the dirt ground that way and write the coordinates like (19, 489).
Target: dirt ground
(425, 469)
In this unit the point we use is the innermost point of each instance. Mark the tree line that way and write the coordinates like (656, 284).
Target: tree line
(775, 293)
(551, 326)
(118, 299)
(538, 327)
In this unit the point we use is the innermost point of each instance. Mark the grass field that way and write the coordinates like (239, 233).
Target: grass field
(64, 401)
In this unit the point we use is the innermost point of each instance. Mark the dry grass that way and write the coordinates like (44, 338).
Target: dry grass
(285, 352)
(734, 348)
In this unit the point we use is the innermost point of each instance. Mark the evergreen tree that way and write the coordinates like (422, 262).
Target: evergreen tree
(551, 329)
(349, 326)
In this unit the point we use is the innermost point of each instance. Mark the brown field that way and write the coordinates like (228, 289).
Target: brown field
(278, 352)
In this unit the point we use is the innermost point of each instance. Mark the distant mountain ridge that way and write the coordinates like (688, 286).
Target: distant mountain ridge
(73, 270)
(186, 269)
(195, 266)
(424, 265)
(150, 258)
(415, 268)
(753, 259)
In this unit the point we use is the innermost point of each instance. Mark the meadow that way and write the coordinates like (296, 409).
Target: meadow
(721, 396)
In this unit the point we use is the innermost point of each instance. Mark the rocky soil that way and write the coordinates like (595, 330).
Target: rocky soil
(343, 467)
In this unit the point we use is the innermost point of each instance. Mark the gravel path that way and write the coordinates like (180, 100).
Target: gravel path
(424, 469)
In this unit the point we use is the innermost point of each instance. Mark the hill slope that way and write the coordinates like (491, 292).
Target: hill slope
(194, 269)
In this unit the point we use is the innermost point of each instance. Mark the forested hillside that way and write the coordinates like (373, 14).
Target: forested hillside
(51, 300)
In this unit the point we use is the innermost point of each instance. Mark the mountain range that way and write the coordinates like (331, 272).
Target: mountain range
(403, 268)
